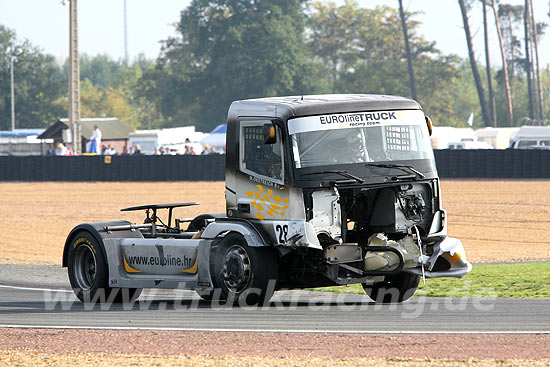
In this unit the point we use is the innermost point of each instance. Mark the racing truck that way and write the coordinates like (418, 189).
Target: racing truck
(320, 190)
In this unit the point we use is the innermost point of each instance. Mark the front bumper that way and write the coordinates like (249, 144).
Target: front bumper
(447, 261)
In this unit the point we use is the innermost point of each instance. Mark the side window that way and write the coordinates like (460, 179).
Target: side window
(259, 158)
(527, 143)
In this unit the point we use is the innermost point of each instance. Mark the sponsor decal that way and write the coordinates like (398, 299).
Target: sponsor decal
(265, 182)
(355, 120)
(359, 117)
(86, 241)
(160, 261)
(266, 203)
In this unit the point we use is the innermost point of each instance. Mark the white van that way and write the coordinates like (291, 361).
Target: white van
(531, 137)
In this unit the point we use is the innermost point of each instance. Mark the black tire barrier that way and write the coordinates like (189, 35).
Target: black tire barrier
(491, 164)
(113, 168)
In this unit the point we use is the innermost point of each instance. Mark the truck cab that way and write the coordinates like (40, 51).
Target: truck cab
(342, 175)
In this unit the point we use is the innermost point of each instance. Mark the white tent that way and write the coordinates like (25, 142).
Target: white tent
(216, 138)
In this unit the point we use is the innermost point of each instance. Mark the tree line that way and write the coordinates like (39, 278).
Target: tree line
(225, 50)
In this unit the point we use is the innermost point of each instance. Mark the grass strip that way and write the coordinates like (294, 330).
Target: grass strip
(510, 280)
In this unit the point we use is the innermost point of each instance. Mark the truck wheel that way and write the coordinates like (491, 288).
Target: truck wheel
(88, 273)
(244, 275)
(394, 289)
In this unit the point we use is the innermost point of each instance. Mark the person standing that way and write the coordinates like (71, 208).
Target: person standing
(61, 150)
(95, 139)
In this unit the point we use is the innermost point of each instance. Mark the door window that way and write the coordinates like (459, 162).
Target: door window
(258, 158)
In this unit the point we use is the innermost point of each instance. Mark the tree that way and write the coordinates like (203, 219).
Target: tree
(537, 61)
(369, 57)
(492, 106)
(511, 18)
(473, 63)
(337, 35)
(504, 66)
(109, 89)
(528, 65)
(38, 83)
(412, 82)
(228, 50)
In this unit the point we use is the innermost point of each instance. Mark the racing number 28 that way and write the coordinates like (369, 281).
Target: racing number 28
(282, 232)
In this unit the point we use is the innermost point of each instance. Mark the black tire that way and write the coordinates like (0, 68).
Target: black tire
(88, 273)
(205, 295)
(199, 223)
(394, 289)
(242, 274)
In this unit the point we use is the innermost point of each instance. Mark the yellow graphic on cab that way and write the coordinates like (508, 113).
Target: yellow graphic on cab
(267, 203)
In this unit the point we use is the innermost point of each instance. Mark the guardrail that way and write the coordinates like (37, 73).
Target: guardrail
(519, 164)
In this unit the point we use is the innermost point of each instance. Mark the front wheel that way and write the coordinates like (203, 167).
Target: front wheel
(88, 273)
(394, 289)
(242, 274)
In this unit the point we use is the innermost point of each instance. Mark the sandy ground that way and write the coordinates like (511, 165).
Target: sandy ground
(39, 216)
(497, 221)
(48, 347)
(29, 358)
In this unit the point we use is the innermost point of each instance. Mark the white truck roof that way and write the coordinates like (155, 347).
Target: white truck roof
(532, 132)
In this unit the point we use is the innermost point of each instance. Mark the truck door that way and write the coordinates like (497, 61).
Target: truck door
(260, 190)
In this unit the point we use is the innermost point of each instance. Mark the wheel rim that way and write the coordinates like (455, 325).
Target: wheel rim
(85, 267)
(236, 269)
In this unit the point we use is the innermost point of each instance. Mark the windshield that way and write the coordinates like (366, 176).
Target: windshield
(360, 138)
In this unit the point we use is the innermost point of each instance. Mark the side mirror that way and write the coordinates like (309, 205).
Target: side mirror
(429, 123)
(269, 134)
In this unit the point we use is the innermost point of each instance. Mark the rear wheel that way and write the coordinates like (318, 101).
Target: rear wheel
(242, 274)
(394, 289)
(88, 273)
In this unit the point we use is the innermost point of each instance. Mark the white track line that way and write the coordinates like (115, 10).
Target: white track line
(290, 331)
(35, 289)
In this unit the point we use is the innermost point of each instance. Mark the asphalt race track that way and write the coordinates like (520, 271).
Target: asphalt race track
(39, 297)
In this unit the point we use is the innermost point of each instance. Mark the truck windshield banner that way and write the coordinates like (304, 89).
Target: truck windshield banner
(354, 120)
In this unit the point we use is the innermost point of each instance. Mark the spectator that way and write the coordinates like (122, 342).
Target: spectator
(161, 151)
(189, 150)
(95, 140)
(110, 150)
(70, 150)
(213, 150)
(104, 150)
(61, 150)
(205, 150)
(137, 150)
(51, 150)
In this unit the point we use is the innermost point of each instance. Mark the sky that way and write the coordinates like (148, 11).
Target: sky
(45, 24)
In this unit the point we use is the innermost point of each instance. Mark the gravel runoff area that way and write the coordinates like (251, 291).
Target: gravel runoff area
(498, 221)
(145, 347)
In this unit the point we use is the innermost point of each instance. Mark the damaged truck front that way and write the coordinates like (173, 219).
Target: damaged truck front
(346, 189)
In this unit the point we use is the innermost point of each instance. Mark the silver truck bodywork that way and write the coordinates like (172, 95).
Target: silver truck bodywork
(331, 218)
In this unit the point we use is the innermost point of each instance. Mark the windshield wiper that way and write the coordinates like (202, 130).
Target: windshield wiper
(341, 173)
(403, 167)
